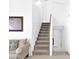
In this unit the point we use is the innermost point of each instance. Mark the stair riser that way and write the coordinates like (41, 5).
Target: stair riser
(42, 40)
(42, 35)
(41, 48)
(43, 32)
(39, 45)
(44, 26)
(39, 39)
(40, 53)
(44, 29)
(42, 43)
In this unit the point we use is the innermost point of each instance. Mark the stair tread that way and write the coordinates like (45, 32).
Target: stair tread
(45, 24)
(44, 45)
(42, 41)
(44, 28)
(44, 34)
(42, 51)
(40, 54)
(43, 38)
(43, 48)
(44, 31)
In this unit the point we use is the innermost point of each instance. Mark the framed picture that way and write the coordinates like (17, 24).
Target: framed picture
(15, 23)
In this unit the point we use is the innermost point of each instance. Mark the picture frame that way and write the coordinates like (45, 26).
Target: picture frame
(15, 23)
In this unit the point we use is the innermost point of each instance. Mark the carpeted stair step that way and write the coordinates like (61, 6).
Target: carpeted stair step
(42, 41)
(43, 32)
(43, 38)
(40, 45)
(42, 48)
(43, 35)
(44, 29)
(41, 52)
(45, 24)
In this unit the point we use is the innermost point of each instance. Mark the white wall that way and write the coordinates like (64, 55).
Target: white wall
(66, 37)
(59, 14)
(46, 10)
(22, 8)
(66, 29)
(57, 8)
(36, 22)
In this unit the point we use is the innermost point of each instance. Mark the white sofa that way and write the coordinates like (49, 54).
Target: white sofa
(18, 49)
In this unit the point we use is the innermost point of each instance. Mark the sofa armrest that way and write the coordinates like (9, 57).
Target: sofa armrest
(18, 50)
(21, 52)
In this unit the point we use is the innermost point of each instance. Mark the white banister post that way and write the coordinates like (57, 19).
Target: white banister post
(51, 35)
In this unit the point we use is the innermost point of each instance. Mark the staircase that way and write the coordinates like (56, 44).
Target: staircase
(42, 43)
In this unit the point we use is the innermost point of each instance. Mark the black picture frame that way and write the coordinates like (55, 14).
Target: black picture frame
(16, 23)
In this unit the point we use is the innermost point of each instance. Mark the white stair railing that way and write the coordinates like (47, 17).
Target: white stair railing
(51, 36)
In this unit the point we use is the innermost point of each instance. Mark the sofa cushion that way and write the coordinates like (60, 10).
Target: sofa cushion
(12, 51)
(13, 44)
(12, 56)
